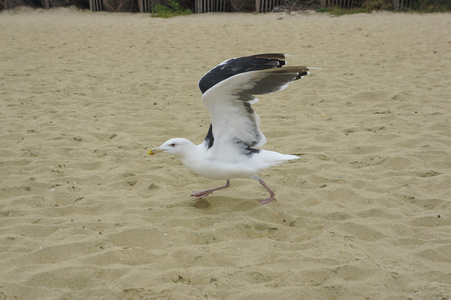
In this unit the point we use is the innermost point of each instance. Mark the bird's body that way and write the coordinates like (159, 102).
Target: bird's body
(205, 162)
(230, 147)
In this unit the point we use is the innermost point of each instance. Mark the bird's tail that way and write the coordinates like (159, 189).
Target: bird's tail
(275, 158)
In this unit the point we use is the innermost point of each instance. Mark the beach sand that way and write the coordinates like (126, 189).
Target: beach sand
(86, 214)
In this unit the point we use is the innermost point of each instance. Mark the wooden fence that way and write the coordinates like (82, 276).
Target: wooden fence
(341, 3)
(96, 5)
(262, 6)
(145, 6)
(204, 6)
(396, 4)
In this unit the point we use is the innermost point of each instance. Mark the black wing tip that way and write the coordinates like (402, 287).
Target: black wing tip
(265, 61)
(298, 71)
(239, 65)
(272, 56)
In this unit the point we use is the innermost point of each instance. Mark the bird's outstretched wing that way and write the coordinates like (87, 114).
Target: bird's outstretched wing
(234, 66)
(233, 121)
(239, 65)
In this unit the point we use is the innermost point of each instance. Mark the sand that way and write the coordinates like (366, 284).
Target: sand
(86, 214)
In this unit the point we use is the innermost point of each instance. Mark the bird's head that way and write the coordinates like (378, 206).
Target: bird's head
(177, 146)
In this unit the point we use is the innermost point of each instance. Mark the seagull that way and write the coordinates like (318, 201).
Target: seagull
(231, 147)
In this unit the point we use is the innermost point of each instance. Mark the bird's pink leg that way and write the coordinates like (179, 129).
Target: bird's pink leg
(202, 194)
(271, 193)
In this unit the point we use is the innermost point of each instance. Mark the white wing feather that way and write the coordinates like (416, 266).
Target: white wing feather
(236, 126)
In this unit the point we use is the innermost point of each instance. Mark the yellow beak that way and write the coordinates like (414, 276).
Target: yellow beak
(154, 151)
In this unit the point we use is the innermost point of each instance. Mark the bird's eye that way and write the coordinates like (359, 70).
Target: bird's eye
(172, 145)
